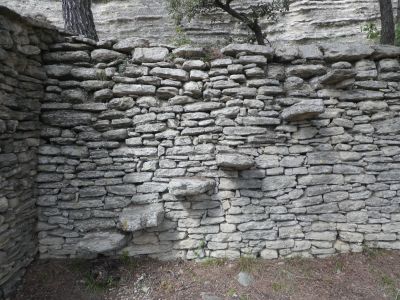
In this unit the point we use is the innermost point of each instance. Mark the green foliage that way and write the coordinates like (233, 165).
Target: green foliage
(188, 9)
(214, 262)
(247, 263)
(180, 38)
(397, 34)
(371, 30)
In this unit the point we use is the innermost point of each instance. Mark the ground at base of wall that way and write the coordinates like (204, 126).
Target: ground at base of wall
(375, 274)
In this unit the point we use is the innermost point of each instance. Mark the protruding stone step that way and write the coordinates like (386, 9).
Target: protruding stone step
(190, 186)
(303, 110)
(235, 161)
(101, 242)
(140, 217)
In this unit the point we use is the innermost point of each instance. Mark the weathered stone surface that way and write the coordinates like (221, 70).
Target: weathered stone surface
(190, 186)
(101, 242)
(273, 183)
(234, 161)
(141, 217)
(133, 90)
(189, 52)
(176, 74)
(149, 55)
(306, 71)
(128, 44)
(305, 109)
(105, 55)
(66, 118)
(388, 126)
(234, 49)
(344, 52)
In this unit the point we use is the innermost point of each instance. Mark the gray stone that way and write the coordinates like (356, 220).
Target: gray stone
(321, 179)
(190, 186)
(387, 126)
(234, 161)
(141, 217)
(272, 183)
(305, 109)
(306, 71)
(189, 52)
(167, 73)
(101, 242)
(128, 44)
(66, 118)
(346, 52)
(150, 55)
(234, 49)
(67, 57)
(138, 177)
(245, 279)
(122, 89)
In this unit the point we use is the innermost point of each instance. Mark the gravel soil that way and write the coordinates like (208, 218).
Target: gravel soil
(372, 275)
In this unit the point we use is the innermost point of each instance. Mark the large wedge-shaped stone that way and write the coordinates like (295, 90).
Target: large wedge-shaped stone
(303, 110)
(235, 161)
(140, 217)
(190, 186)
(100, 242)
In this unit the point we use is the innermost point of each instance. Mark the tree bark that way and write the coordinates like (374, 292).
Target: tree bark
(398, 12)
(251, 24)
(78, 18)
(387, 22)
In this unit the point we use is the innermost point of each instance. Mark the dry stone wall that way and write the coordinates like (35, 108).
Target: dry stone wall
(148, 150)
(22, 80)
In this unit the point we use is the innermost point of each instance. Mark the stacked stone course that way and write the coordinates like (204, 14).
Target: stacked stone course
(272, 153)
(22, 80)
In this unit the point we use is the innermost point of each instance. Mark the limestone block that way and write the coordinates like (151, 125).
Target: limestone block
(141, 217)
(190, 186)
(101, 242)
(150, 55)
(234, 161)
(305, 109)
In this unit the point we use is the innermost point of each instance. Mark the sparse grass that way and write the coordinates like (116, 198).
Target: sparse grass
(167, 286)
(339, 266)
(214, 262)
(390, 286)
(231, 293)
(278, 287)
(247, 263)
(128, 261)
(98, 286)
(372, 252)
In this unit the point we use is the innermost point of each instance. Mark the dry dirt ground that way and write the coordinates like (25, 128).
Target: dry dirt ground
(373, 275)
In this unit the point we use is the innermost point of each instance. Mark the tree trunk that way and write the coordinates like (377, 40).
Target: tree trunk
(398, 12)
(387, 22)
(78, 18)
(255, 27)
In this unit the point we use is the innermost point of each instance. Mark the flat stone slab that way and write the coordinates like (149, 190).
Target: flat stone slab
(303, 110)
(190, 186)
(140, 217)
(234, 161)
(100, 242)
(234, 49)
